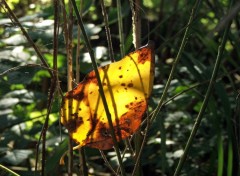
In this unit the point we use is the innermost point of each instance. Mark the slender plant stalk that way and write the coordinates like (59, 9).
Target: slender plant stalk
(27, 36)
(70, 81)
(45, 125)
(230, 159)
(82, 156)
(91, 53)
(67, 28)
(10, 172)
(220, 151)
(66, 38)
(136, 169)
(107, 29)
(83, 165)
(184, 41)
(107, 162)
(205, 101)
(78, 46)
(78, 55)
(23, 66)
(69, 48)
(52, 87)
(136, 26)
(120, 28)
(136, 22)
(236, 135)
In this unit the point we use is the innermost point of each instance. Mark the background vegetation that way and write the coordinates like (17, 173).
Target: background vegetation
(25, 84)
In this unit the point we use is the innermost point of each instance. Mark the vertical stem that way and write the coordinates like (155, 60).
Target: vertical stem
(163, 145)
(205, 101)
(136, 19)
(91, 53)
(230, 159)
(83, 165)
(107, 29)
(53, 86)
(220, 155)
(27, 36)
(78, 56)
(78, 46)
(136, 25)
(70, 80)
(179, 54)
(236, 135)
(81, 151)
(120, 28)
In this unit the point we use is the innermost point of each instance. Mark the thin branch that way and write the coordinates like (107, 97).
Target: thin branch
(107, 163)
(136, 26)
(5, 170)
(52, 88)
(82, 156)
(184, 41)
(27, 36)
(80, 23)
(107, 29)
(136, 22)
(120, 28)
(23, 66)
(70, 80)
(205, 101)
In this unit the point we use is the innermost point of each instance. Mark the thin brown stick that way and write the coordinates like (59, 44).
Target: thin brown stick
(136, 25)
(107, 163)
(82, 157)
(89, 47)
(70, 80)
(107, 29)
(27, 36)
(53, 86)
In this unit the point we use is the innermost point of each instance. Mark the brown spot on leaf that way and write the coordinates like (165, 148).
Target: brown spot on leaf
(127, 121)
(71, 125)
(75, 115)
(130, 85)
(143, 56)
(104, 132)
(79, 96)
